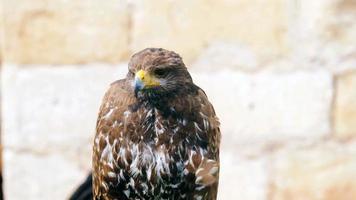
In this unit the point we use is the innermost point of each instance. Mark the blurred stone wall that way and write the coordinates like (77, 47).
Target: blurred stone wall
(280, 73)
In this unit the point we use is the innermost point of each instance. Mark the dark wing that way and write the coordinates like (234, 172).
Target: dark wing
(207, 174)
(109, 125)
(84, 191)
(205, 132)
(210, 122)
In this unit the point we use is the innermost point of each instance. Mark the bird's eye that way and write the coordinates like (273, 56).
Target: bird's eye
(160, 72)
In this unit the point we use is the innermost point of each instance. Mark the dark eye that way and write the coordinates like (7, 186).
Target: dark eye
(160, 72)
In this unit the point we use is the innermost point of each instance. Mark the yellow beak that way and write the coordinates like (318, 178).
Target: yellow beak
(145, 80)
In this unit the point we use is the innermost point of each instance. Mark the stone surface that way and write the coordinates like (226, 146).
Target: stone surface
(49, 110)
(33, 176)
(268, 106)
(345, 106)
(1, 32)
(242, 178)
(322, 33)
(60, 32)
(48, 124)
(318, 172)
(219, 55)
(189, 26)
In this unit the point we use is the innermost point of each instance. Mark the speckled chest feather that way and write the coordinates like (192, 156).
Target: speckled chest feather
(145, 153)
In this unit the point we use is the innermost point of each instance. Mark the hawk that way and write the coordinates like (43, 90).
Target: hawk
(157, 135)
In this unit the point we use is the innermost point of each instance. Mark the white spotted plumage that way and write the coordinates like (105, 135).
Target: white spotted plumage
(156, 147)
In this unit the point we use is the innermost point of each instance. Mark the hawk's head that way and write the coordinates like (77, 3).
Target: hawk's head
(156, 71)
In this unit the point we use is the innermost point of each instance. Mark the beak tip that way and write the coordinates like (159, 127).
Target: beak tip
(138, 85)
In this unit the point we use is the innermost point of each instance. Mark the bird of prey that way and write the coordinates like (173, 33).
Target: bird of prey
(157, 135)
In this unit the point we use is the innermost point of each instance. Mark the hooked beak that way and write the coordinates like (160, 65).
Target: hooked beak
(138, 85)
(144, 80)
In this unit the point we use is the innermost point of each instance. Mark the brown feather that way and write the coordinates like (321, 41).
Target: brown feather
(162, 144)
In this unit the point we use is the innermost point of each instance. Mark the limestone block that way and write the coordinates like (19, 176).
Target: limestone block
(189, 26)
(62, 32)
(219, 55)
(321, 172)
(322, 33)
(345, 106)
(48, 110)
(242, 178)
(39, 176)
(269, 106)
